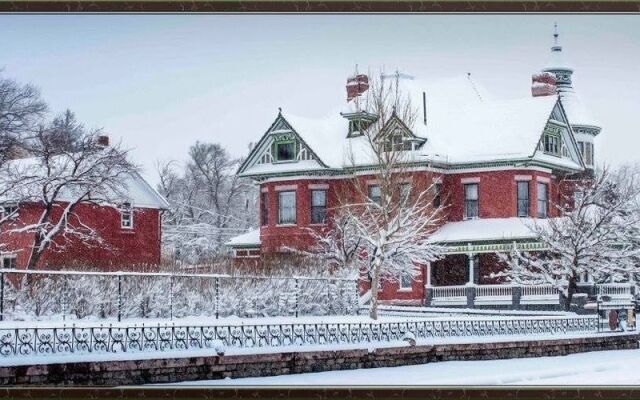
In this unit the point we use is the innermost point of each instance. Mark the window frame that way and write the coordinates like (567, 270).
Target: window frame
(372, 198)
(264, 208)
(11, 260)
(281, 221)
(316, 207)
(544, 202)
(437, 195)
(9, 214)
(552, 144)
(526, 200)
(468, 202)
(401, 282)
(126, 209)
(276, 155)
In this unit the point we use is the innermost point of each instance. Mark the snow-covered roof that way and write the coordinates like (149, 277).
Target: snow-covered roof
(465, 124)
(137, 190)
(249, 239)
(486, 229)
(577, 112)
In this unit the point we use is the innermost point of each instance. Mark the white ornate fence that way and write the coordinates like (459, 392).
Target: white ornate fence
(493, 294)
(28, 342)
(449, 295)
(541, 294)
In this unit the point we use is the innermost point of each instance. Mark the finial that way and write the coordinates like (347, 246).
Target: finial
(279, 110)
(555, 33)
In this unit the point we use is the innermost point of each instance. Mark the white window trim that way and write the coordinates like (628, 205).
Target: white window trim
(264, 190)
(8, 256)
(475, 179)
(543, 179)
(318, 186)
(405, 288)
(286, 188)
(122, 212)
(521, 178)
(295, 207)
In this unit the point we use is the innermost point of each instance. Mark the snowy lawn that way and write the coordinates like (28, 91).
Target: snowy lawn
(595, 368)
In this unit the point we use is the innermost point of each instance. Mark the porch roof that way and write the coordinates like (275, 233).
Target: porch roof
(251, 239)
(487, 229)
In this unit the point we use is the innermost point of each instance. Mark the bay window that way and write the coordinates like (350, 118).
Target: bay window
(543, 200)
(318, 206)
(471, 209)
(523, 198)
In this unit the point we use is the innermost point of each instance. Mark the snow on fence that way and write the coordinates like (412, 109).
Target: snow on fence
(50, 295)
(82, 340)
(615, 289)
(449, 295)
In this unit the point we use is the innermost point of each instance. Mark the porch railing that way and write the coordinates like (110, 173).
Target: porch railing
(493, 294)
(449, 295)
(539, 294)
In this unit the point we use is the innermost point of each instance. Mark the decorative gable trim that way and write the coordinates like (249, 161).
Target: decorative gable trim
(279, 130)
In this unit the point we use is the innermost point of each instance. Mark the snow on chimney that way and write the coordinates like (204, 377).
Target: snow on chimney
(356, 85)
(103, 140)
(543, 84)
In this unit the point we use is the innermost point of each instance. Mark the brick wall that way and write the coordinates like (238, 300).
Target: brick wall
(121, 247)
(134, 372)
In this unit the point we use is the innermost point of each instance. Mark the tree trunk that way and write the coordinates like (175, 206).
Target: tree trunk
(34, 257)
(375, 284)
(570, 291)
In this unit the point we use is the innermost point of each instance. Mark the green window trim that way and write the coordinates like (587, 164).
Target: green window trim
(275, 153)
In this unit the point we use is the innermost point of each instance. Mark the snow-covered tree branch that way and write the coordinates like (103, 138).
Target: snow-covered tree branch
(596, 235)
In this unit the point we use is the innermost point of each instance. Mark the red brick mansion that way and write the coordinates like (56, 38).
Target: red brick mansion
(498, 161)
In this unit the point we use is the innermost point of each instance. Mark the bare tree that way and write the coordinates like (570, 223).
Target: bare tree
(597, 234)
(57, 177)
(209, 203)
(391, 212)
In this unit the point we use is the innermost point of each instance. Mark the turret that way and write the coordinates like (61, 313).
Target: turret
(585, 127)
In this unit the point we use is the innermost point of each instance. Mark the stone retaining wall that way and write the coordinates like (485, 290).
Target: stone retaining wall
(111, 373)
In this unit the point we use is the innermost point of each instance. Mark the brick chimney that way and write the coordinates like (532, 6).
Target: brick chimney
(103, 140)
(356, 85)
(543, 84)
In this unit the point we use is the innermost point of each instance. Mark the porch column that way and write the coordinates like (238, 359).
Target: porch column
(471, 271)
(428, 272)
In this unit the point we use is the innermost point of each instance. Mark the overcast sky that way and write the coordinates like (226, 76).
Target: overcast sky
(161, 82)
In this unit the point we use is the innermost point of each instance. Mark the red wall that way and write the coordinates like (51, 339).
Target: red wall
(497, 199)
(122, 248)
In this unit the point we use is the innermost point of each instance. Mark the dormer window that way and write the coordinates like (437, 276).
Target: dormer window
(552, 143)
(397, 142)
(357, 127)
(285, 151)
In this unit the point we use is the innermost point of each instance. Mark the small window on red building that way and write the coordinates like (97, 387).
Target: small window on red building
(437, 197)
(318, 206)
(523, 199)
(405, 281)
(471, 209)
(9, 261)
(126, 216)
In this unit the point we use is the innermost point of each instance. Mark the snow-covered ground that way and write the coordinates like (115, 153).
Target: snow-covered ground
(600, 368)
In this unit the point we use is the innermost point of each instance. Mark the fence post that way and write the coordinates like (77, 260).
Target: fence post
(119, 297)
(171, 297)
(217, 299)
(1, 296)
(296, 294)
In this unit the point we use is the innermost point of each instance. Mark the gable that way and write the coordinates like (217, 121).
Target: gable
(280, 149)
(396, 133)
(557, 144)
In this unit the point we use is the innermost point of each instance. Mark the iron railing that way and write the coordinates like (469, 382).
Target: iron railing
(26, 342)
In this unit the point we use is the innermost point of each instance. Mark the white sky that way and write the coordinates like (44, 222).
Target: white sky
(161, 82)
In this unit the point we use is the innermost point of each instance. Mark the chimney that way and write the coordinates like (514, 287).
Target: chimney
(356, 85)
(543, 84)
(103, 140)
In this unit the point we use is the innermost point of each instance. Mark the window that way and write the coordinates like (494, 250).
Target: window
(285, 151)
(286, 207)
(126, 216)
(374, 194)
(471, 201)
(552, 144)
(9, 211)
(264, 208)
(9, 261)
(523, 198)
(396, 142)
(405, 192)
(405, 281)
(543, 200)
(589, 154)
(318, 206)
(437, 188)
(357, 127)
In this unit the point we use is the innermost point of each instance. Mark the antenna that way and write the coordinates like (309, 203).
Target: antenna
(424, 107)
(473, 85)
